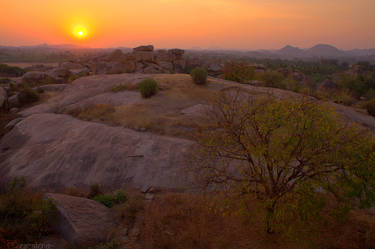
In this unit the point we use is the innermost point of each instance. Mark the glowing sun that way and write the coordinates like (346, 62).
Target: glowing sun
(80, 32)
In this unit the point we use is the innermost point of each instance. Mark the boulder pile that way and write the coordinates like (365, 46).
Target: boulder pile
(143, 59)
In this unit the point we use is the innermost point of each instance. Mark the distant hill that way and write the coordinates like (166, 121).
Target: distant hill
(290, 50)
(324, 50)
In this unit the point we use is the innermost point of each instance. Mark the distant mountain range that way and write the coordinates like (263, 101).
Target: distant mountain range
(322, 51)
(68, 51)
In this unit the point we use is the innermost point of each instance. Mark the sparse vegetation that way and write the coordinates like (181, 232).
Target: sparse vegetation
(27, 96)
(199, 75)
(93, 112)
(148, 87)
(109, 199)
(127, 212)
(24, 215)
(10, 71)
(123, 87)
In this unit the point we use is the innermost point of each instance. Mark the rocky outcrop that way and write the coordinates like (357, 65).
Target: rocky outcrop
(38, 68)
(142, 59)
(80, 221)
(32, 78)
(70, 65)
(147, 48)
(60, 73)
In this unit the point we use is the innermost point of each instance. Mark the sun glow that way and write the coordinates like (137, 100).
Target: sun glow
(80, 32)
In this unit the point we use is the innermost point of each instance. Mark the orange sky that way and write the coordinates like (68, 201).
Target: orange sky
(237, 24)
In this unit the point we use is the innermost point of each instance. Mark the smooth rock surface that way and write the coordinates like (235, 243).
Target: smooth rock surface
(55, 151)
(82, 222)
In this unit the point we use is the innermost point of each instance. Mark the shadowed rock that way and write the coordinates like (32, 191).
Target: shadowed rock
(82, 222)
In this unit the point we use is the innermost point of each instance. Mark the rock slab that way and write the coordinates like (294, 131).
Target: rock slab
(82, 222)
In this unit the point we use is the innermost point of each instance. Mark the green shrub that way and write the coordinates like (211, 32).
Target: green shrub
(199, 75)
(24, 215)
(147, 87)
(120, 196)
(94, 191)
(105, 199)
(28, 95)
(370, 107)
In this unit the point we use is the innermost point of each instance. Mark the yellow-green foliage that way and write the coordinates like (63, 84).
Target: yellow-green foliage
(199, 75)
(239, 71)
(280, 146)
(147, 87)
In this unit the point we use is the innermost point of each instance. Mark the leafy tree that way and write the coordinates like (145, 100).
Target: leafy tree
(282, 150)
(239, 71)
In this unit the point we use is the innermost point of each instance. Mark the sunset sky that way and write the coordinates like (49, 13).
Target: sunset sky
(235, 24)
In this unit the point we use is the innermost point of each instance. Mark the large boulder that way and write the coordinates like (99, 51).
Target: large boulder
(147, 48)
(38, 78)
(115, 67)
(81, 72)
(80, 221)
(60, 73)
(52, 87)
(3, 98)
(55, 151)
(71, 65)
(144, 56)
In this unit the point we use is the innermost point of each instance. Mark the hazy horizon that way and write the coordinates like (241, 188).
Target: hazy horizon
(212, 24)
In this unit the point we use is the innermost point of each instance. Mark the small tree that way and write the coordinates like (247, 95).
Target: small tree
(278, 148)
(199, 75)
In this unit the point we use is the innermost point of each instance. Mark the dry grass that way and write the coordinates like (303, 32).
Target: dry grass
(123, 87)
(183, 221)
(100, 112)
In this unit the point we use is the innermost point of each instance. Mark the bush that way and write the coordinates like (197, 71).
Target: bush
(147, 87)
(370, 107)
(199, 75)
(27, 96)
(106, 200)
(120, 196)
(94, 191)
(24, 215)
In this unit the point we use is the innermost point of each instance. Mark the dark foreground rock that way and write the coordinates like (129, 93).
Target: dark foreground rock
(80, 221)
